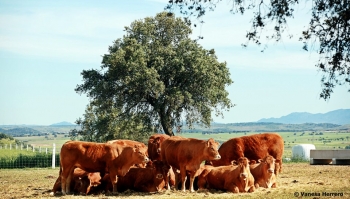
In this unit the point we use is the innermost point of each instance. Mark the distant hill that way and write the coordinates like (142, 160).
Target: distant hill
(64, 123)
(20, 131)
(340, 117)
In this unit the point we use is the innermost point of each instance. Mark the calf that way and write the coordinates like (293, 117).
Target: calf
(82, 181)
(186, 155)
(228, 178)
(98, 157)
(263, 172)
(142, 179)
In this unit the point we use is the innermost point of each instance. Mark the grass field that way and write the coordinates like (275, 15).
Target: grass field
(296, 178)
(328, 140)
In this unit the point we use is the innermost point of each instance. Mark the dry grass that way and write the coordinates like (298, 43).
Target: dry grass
(296, 177)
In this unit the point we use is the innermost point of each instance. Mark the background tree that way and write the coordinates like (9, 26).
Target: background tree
(157, 72)
(100, 124)
(329, 29)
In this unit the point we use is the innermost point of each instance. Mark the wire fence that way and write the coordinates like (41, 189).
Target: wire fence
(14, 156)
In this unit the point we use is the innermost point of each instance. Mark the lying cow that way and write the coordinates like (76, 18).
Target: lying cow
(81, 183)
(186, 155)
(231, 178)
(254, 147)
(263, 172)
(98, 157)
(141, 179)
(154, 146)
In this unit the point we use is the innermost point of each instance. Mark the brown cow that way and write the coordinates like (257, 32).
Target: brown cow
(254, 147)
(186, 155)
(228, 178)
(82, 181)
(263, 172)
(124, 142)
(145, 179)
(154, 145)
(98, 157)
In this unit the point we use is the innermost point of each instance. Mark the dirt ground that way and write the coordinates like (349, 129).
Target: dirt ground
(298, 180)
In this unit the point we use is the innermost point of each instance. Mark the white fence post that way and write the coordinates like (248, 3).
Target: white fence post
(33, 149)
(53, 155)
(10, 146)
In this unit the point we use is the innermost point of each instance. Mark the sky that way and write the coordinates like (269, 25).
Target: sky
(45, 45)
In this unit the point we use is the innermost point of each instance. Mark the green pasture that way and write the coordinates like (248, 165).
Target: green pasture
(41, 141)
(322, 140)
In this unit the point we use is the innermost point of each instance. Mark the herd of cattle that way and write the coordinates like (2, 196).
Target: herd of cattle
(240, 164)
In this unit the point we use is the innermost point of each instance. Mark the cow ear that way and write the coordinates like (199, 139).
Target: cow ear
(210, 142)
(136, 148)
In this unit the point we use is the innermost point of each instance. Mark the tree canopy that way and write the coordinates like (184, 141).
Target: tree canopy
(157, 73)
(100, 123)
(328, 30)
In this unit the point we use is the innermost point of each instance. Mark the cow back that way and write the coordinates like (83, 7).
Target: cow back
(254, 147)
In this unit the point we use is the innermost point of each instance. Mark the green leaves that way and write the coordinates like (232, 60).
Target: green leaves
(158, 76)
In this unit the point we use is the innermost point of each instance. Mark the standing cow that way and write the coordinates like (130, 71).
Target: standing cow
(186, 155)
(154, 145)
(254, 147)
(233, 178)
(98, 157)
(264, 172)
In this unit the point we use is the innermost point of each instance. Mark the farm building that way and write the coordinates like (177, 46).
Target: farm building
(302, 151)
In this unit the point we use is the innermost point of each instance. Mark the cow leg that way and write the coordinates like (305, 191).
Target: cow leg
(183, 178)
(69, 180)
(88, 189)
(191, 181)
(65, 175)
(114, 180)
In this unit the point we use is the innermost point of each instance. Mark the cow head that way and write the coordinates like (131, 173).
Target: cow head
(160, 173)
(269, 164)
(95, 179)
(243, 164)
(140, 154)
(160, 169)
(156, 143)
(211, 149)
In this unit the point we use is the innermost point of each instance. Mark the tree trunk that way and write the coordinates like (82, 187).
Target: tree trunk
(165, 121)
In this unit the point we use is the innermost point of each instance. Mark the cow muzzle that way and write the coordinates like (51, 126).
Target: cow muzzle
(159, 176)
(270, 170)
(217, 157)
(146, 159)
(244, 175)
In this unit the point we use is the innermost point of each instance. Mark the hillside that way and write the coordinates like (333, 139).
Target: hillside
(340, 117)
(267, 127)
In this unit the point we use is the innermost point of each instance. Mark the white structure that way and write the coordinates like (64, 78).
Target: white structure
(302, 151)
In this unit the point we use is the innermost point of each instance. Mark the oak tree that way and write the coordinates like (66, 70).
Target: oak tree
(157, 71)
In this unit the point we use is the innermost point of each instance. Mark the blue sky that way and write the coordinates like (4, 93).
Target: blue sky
(44, 46)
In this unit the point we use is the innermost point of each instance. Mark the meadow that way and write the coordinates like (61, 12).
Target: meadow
(296, 179)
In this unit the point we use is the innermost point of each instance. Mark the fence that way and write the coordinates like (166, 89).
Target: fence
(27, 156)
